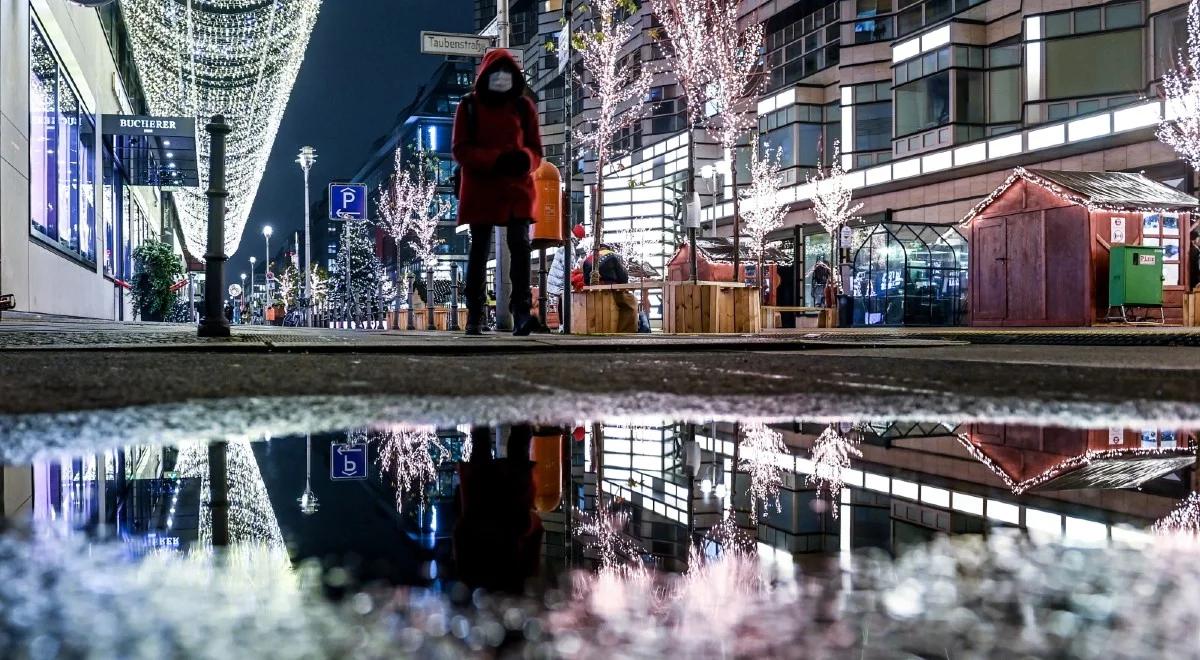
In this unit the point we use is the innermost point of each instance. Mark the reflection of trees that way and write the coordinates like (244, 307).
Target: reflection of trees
(831, 458)
(1183, 521)
(760, 445)
(604, 531)
(409, 457)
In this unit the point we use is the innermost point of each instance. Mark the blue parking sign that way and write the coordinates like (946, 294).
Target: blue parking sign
(348, 201)
(347, 462)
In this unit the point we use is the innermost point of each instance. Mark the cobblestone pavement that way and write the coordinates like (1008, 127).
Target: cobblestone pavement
(25, 331)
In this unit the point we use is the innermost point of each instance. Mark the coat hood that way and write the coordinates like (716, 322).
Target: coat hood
(493, 59)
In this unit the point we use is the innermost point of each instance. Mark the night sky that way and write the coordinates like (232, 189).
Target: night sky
(362, 67)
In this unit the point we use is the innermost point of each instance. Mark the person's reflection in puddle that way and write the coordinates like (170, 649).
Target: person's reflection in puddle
(498, 537)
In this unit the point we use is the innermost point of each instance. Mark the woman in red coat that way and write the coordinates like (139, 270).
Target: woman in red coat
(497, 146)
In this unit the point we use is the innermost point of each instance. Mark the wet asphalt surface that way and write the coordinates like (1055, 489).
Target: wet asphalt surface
(53, 381)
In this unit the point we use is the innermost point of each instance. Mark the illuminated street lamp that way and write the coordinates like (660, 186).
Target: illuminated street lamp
(252, 262)
(242, 302)
(267, 265)
(307, 157)
(308, 500)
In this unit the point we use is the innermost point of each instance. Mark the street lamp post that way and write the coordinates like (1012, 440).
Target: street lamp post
(267, 268)
(252, 262)
(307, 157)
(242, 302)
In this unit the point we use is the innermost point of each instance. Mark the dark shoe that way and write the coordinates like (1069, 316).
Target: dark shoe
(474, 330)
(524, 324)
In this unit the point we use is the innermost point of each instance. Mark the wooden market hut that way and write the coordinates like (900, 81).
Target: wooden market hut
(1039, 245)
(714, 263)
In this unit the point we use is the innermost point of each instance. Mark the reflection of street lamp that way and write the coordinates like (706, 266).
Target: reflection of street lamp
(252, 262)
(307, 157)
(267, 264)
(308, 499)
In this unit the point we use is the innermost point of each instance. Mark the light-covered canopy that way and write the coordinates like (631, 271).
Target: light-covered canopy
(233, 57)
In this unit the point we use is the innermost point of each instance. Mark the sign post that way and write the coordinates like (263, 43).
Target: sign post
(348, 203)
(347, 462)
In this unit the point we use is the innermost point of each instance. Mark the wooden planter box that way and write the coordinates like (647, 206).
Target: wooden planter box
(711, 308)
(594, 311)
(1191, 308)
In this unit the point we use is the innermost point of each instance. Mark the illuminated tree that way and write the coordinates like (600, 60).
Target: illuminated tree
(831, 198)
(765, 207)
(618, 85)
(734, 56)
(410, 208)
(831, 455)
(286, 286)
(410, 458)
(1181, 87)
(760, 446)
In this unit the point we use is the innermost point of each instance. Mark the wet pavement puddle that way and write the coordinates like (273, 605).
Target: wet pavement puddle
(626, 537)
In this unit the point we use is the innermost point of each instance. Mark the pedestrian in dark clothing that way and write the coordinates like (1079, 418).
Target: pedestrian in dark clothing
(821, 275)
(497, 146)
(498, 538)
(229, 312)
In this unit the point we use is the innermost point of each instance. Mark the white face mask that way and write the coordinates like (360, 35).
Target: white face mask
(500, 81)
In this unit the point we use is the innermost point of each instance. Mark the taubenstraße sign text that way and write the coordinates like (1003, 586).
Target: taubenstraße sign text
(449, 43)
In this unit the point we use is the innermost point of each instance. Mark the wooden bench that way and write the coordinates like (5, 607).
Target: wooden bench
(769, 313)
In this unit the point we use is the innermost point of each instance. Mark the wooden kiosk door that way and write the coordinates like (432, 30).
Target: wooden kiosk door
(989, 281)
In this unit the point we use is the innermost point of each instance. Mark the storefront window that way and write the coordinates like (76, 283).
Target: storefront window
(1162, 230)
(816, 251)
(62, 148)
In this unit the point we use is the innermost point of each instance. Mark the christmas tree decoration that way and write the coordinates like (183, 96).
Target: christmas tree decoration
(831, 197)
(618, 85)
(760, 447)
(238, 58)
(359, 288)
(1180, 130)
(831, 455)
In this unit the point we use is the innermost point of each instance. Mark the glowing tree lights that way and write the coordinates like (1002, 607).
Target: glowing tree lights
(239, 58)
(604, 529)
(831, 197)
(764, 207)
(1184, 520)
(251, 518)
(410, 457)
(760, 446)
(734, 57)
(831, 455)
(1181, 87)
(688, 47)
(619, 87)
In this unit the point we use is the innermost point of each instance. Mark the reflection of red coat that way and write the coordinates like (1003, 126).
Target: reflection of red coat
(498, 538)
(502, 123)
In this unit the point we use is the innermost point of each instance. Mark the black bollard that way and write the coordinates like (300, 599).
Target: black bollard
(412, 297)
(429, 324)
(452, 324)
(543, 297)
(214, 323)
(218, 489)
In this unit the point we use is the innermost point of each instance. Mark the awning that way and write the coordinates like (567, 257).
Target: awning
(154, 151)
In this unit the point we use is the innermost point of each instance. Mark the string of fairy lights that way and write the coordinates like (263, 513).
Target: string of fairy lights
(238, 58)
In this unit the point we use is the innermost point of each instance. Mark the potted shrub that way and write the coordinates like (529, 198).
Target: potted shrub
(156, 269)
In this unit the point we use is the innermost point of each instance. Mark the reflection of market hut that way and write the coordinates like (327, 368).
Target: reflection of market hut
(908, 274)
(714, 263)
(1040, 245)
(1031, 458)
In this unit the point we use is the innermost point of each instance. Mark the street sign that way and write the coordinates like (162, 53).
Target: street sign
(516, 55)
(451, 43)
(347, 462)
(348, 201)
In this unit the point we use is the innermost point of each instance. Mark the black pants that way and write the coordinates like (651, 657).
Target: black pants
(518, 258)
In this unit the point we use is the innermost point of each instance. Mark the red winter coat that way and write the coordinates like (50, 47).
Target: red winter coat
(502, 122)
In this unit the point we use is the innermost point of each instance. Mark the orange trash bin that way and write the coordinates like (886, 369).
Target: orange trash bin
(547, 229)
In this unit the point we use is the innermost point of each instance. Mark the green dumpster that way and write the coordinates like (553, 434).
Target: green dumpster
(1135, 276)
